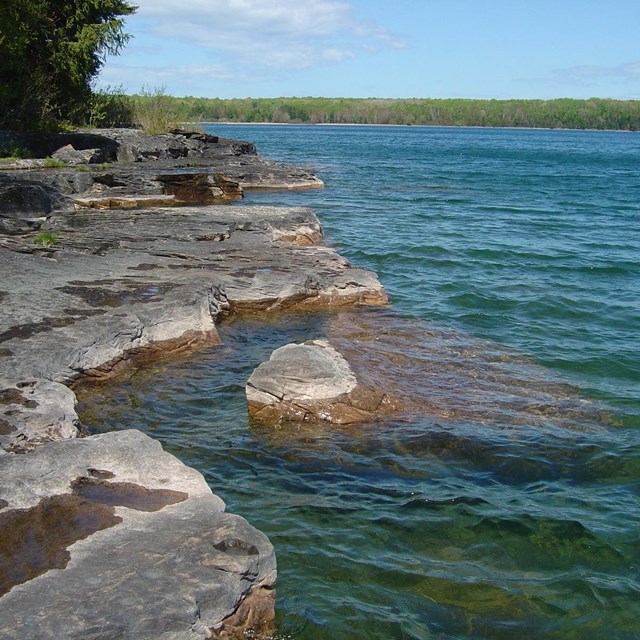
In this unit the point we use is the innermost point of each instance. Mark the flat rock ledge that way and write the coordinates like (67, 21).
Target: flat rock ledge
(111, 537)
(120, 285)
(312, 382)
(108, 536)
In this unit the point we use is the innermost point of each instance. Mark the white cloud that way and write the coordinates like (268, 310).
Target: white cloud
(266, 35)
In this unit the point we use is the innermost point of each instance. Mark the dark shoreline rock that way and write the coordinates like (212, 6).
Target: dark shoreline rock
(139, 164)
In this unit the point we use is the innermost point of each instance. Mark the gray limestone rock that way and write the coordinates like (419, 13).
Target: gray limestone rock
(125, 542)
(310, 382)
(129, 543)
(305, 373)
(187, 162)
(25, 204)
(121, 284)
(33, 412)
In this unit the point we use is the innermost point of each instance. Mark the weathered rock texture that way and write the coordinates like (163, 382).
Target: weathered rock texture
(33, 412)
(312, 382)
(406, 368)
(26, 204)
(107, 536)
(124, 276)
(110, 537)
(216, 168)
(118, 284)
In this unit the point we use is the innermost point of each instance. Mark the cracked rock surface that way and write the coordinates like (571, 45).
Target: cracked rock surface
(111, 537)
(108, 536)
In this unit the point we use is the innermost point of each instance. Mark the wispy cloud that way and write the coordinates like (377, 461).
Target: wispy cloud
(267, 34)
(137, 77)
(592, 75)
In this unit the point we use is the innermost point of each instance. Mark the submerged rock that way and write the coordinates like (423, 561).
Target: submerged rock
(110, 536)
(406, 369)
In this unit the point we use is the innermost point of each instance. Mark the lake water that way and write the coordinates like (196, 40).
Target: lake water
(512, 258)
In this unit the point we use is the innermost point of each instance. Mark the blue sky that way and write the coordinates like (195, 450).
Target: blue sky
(382, 48)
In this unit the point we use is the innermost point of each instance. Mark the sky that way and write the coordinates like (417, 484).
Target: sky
(381, 48)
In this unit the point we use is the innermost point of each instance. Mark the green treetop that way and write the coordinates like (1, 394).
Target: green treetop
(50, 51)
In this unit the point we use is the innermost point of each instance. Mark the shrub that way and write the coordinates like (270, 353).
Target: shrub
(154, 111)
(52, 163)
(110, 107)
(46, 239)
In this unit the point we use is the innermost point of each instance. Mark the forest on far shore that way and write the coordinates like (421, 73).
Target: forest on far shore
(594, 113)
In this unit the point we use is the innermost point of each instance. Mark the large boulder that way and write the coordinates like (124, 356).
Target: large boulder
(71, 156)
(111, 537)
(311, 382)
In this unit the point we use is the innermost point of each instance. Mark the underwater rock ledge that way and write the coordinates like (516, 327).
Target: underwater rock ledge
(101, 268)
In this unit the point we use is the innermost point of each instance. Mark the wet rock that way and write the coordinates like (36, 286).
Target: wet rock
(121, 286)
(124, 545)
(200, 188)
(311, 382)
(123, 548)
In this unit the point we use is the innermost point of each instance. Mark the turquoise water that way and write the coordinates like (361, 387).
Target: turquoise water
(512, 260)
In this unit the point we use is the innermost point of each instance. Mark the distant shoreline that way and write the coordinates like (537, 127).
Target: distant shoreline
(400, 126)
(595, 113)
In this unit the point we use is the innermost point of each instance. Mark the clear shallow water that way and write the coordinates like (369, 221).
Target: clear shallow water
(486, 523)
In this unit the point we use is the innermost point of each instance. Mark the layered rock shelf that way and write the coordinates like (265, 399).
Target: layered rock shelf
(120, 254)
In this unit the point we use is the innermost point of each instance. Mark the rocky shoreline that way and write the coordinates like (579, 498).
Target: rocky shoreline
(124, 248)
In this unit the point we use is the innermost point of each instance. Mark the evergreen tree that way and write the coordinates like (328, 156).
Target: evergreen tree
(50, 51)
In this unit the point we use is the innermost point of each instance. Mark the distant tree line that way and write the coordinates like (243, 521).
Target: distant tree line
(595, 113)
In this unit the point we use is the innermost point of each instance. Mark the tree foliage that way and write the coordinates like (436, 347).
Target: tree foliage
(595, 113)
(50, 52)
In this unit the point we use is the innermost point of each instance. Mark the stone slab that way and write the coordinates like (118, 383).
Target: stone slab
(141, 548)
